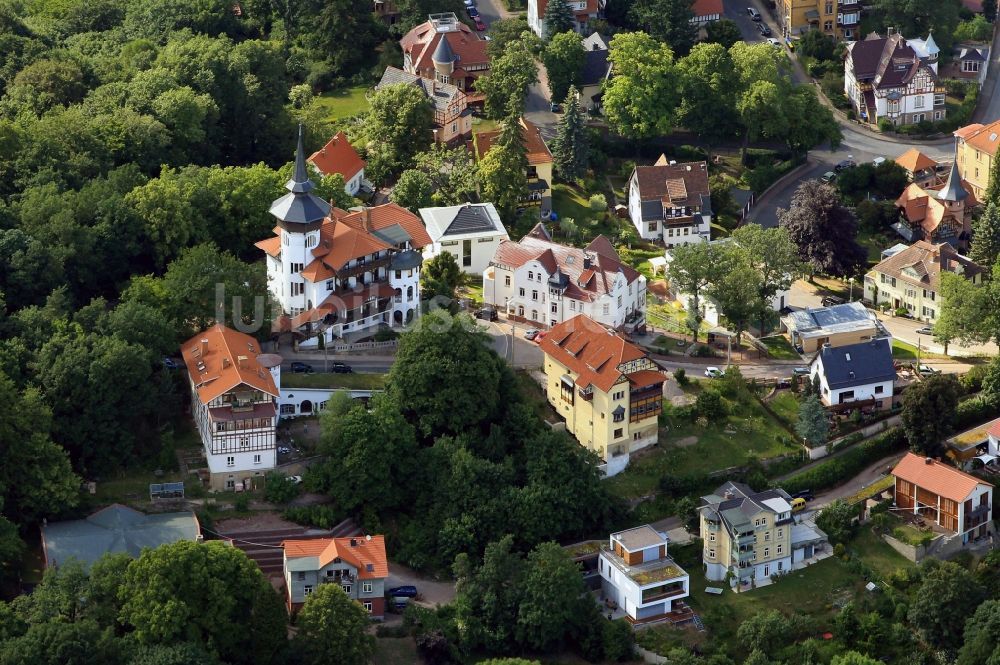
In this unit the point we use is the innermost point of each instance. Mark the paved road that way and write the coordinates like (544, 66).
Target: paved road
(858, 482)
(431, 591)
(989, 109)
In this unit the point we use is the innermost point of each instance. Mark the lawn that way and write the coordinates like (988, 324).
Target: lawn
(670, 317)
(877, 554)
(133, 485)
(483, 125)
(780, 348)
(786, 405)
(903, 351)
(331, 380)
(875, 243)
(344, 103)
(570, 201)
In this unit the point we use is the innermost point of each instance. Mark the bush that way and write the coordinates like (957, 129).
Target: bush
(242, 503)
(709, 404)
(386, 335)
(322, 517)
(278, 488)
(885, 125)
(975, 410)
(849, 464)
(976, 30)
(598, 203)
(618, 638)
(972, 380)
(680, 376)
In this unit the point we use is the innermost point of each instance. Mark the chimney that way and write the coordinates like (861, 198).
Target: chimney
(928, 460)
(354, 542)
(890, 31)
(226, 363)
(204, 346)
(366, 218)
(242, 360)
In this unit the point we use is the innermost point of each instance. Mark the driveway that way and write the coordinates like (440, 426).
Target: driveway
(430, 592)
(858, 482)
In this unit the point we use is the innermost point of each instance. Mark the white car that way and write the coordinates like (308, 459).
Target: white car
(713, 372)
(774, 42)
(295, 480)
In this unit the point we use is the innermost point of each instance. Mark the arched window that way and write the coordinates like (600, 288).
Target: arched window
(312, 240)
(409, 293)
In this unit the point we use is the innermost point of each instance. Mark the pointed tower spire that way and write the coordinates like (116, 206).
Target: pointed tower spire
(953, 189)
(300, 182)
(300, 206)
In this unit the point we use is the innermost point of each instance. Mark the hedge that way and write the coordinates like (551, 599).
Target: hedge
(843, 467)
(975, 410)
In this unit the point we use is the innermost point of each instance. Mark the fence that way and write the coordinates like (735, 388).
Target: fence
(362, 346)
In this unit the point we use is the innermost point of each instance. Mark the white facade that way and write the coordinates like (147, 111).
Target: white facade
(644, 582)
(672, 226)
(880, 391)
(536, 18)
(470, 232)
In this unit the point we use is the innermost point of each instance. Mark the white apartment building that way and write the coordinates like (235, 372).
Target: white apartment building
(671, 203)
(471, 232)
(539, 281)
(639, 577)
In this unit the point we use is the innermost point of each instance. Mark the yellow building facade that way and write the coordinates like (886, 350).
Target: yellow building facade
(608, 391)
(837, 18)
(974, 151)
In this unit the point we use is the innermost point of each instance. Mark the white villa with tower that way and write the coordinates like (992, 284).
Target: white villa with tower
(335, 272)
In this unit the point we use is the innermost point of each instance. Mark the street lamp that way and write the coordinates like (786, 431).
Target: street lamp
(851, 298)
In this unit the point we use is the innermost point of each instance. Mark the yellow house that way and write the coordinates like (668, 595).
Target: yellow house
(836, 18)
(750, 536)
(976, 146)
(539, 161)
(609, 392)
(911, 279)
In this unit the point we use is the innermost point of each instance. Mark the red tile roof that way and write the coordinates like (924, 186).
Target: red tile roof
(703, 8)
(338, 156)
(271, 246)
(593, 353)
(365, 550)
(936, 477)
(421, 42)
(994, 429)
(921, 206)
(538, 152)
(981, 137)
(220, 359)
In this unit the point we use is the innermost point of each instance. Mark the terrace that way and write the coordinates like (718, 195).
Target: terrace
(645, 574)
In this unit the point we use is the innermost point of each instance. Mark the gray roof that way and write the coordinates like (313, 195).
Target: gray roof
(639, 538)
(953, 190)
(736, 503)
(857, 364)
(823, 320)
(443, 53)
(115, 529)
(394, 234)
(806, 533)
(595, 68)
(467, 219)
(441, 95)
(972, 54)
(406, 260)
(300, 205)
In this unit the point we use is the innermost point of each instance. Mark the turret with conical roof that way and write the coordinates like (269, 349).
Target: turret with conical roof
(443, 57)
(953, 191)
(300, 207)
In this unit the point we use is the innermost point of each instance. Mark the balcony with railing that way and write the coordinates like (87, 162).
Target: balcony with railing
(849, 18)
(663, 592)
(977, 517)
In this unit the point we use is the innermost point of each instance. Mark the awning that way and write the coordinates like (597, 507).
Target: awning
(985, 458)
(567, 380)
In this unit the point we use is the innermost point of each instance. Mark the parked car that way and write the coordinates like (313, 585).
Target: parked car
(830, 301)
(341, 368)
(555, 108)
(927, 371)
(713, 372)
(480, 26)
(531, 334)
(170, 363)
(472, 12)
(763, 29)
(753, 13)
(800, 371)
(926, 330)
(798, 505)
(403, 592)
(844, 164)
(828, 176)
(299, 367)
(284, 450)
(470, 3)
(295, 480)
(878, 161)
(540, 336)
(773, 42)
(804, 494)
(487, 314)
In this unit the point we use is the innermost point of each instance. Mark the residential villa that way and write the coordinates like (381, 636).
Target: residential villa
(234, 396)
(911, 279)
(918, 166)
(539, 188)
(538, 281)
(596, 71)
(974, 152)
(940, 213)
(855, 376)
(969, 62)
(464, 52)
(837, 19)
(335, 272)
(894, 78)
(838, 325)
(115, 529)
(748, 537)
(609, 392)
(583, 12)
(670, 202)
(339, 156)
(452, 119)
(955, 501)
(472, 232)
(639, 577)
(358, 564)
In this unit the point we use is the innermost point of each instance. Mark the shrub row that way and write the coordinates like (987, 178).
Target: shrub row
(975, 410)
(322, 517)
(835, 471)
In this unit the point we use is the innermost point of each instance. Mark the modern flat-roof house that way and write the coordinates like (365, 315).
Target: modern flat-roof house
(752, 536)
(536, 280)
(855, 376)
(911, 279)
(955, 501)
(609, 392)
(234, 394)
(116, 529)
(452, 119)
(470, 231)
(639, 576)
(339, 156)
(837, 325)
(459, 61)
(671, 203)
(894, 78)
(358, 564)
(938, 213)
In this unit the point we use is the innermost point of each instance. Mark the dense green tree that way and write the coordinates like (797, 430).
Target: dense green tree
(813, 425)
(348, 33)
(920, 17)
(824, 231)
(980, 646)
(773, 257)
(809, 122)
(818, 45)
(867, 180)
(725, 31)
(59, 643)
(11, 549)
(225, 596)
(692, 269)
(734, 294)
(570, 148)
(986, 234)
(488, 596)
(928, 410)
(668, 21)
(453, 173)
(553, 597)
(854, 658)
(506, 30)
(640, 100)
(440, 276)
(332, 627)
(558, 19)
(397, 127)
(836, 520)
(708, 88)
(413, 190)
(960, 317)
(992, 192)
(506, 86)
(184, 653)
(563, 58)
(766, 631)
(503, 169)
(947, 596)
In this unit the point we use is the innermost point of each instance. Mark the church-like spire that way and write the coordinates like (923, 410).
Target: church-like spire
(953, 189)
(300, 182)
(300, 205)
